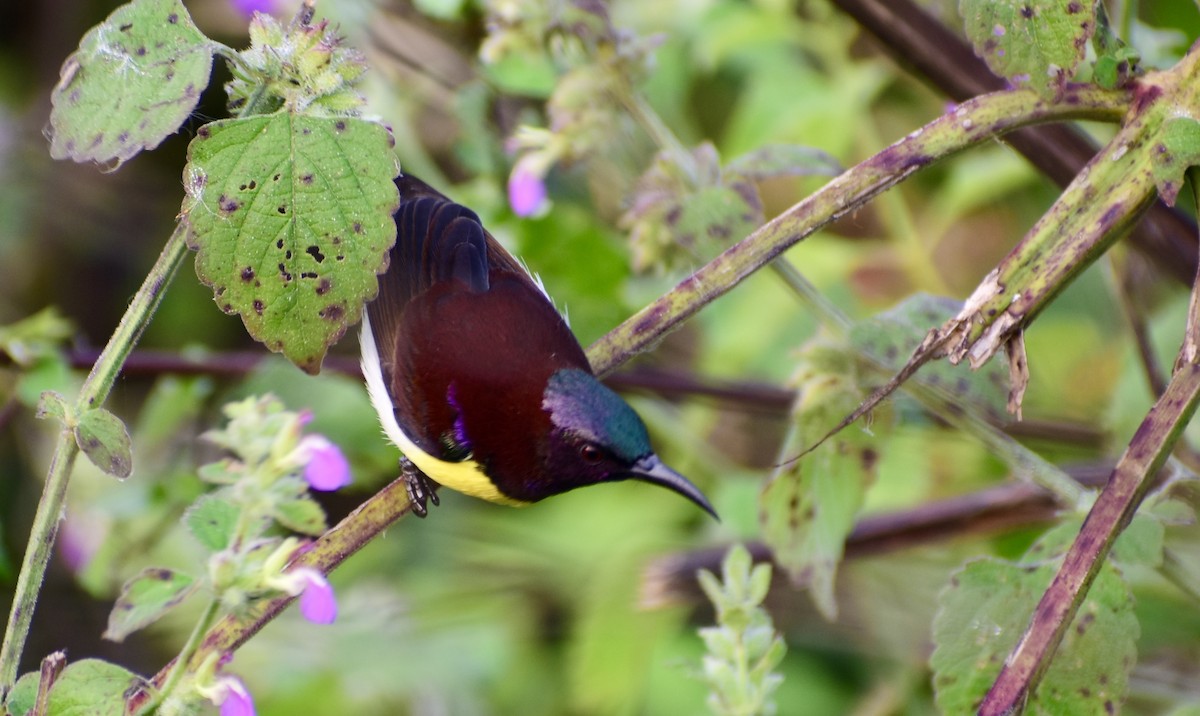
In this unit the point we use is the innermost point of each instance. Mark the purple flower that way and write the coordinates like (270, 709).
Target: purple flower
(526, 191)
(247, 8)
(317, 603)
(237, 700)
(326, 468)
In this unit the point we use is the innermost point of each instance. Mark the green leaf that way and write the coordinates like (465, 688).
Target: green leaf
(889, 338)
(49, 372)
(683, 213)
(35, 337)
(301, 515)
(91, 687)
(134, 79)
(783, 160)
(1036, 43)
(23, 696)
(1140, 543)
(1178, 149)
(52, 405)
(104, 439)
(1115, 69)
(291, 218)
(145, 599)
(222, 472)
(984, 612)
(809, 506)
(211, 520)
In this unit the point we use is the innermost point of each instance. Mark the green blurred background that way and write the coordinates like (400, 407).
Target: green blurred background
(573, 606)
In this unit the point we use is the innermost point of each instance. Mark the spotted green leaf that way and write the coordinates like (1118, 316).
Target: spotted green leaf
(291, 219)
(51, 405)
(134, 79)
(810, 505)
(91, 687)
(1039, 44)
(984, 612)
(211, 520)
(684, 209)
(1177, 149)
(145, 598)
(104, 438)
(783, 160)
(889, 338)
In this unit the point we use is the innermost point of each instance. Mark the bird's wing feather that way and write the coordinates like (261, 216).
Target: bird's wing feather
(438, 243)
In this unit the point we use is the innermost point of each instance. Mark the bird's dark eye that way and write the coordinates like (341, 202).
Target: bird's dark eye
(590, 454)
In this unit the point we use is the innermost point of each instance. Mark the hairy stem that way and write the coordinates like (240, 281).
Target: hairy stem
(1131, 479)
(334, 547)
(94, 392)
(971, 123)
(185, 656)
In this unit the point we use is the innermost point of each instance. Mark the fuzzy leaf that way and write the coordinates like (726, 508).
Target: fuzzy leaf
(889, 338)
(24, 693)
(783, 160)
(52, 405)
(1178, 148)
(211, 521)
(291, 218)
(1036, 43)
(1140, 543)
(985, 610)
(301, 515)
(35, 337)
(134, 79)
(104, 438)
(809, 506)
(145, 598)
(91, 687)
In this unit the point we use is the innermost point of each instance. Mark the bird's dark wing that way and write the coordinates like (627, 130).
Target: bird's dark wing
(413, 188)
(442, 245)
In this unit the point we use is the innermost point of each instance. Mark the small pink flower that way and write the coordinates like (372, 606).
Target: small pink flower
(326, 468)
(237, 700)
(317, 602)
(247, 8)
(526, 191)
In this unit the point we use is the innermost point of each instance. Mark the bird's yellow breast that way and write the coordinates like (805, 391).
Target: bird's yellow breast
(467, 476)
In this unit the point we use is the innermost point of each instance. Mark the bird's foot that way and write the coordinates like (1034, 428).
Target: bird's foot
(421, 489)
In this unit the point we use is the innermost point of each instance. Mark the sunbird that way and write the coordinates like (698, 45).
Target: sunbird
(477, 377)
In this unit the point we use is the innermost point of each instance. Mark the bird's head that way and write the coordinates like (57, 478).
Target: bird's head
(596, 437)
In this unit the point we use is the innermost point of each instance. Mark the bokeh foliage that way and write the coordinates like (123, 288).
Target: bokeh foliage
(563, 607)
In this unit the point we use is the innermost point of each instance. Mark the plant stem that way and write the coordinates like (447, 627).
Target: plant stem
(94, 392)
(185, 656)
(979, 120)
(334, 547)
(1131, 479)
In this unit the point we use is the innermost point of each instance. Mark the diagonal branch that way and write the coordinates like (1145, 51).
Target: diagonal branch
(934, 53)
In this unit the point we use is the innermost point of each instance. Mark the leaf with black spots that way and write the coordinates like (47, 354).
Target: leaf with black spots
(133, 81)
(104, 438)
(145, 599)
(212, 520)
(291, 219)
(1039, 44)
(986, 609)
(1178, 148)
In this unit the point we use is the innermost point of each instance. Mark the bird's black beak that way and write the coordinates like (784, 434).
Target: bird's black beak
(652, 469)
